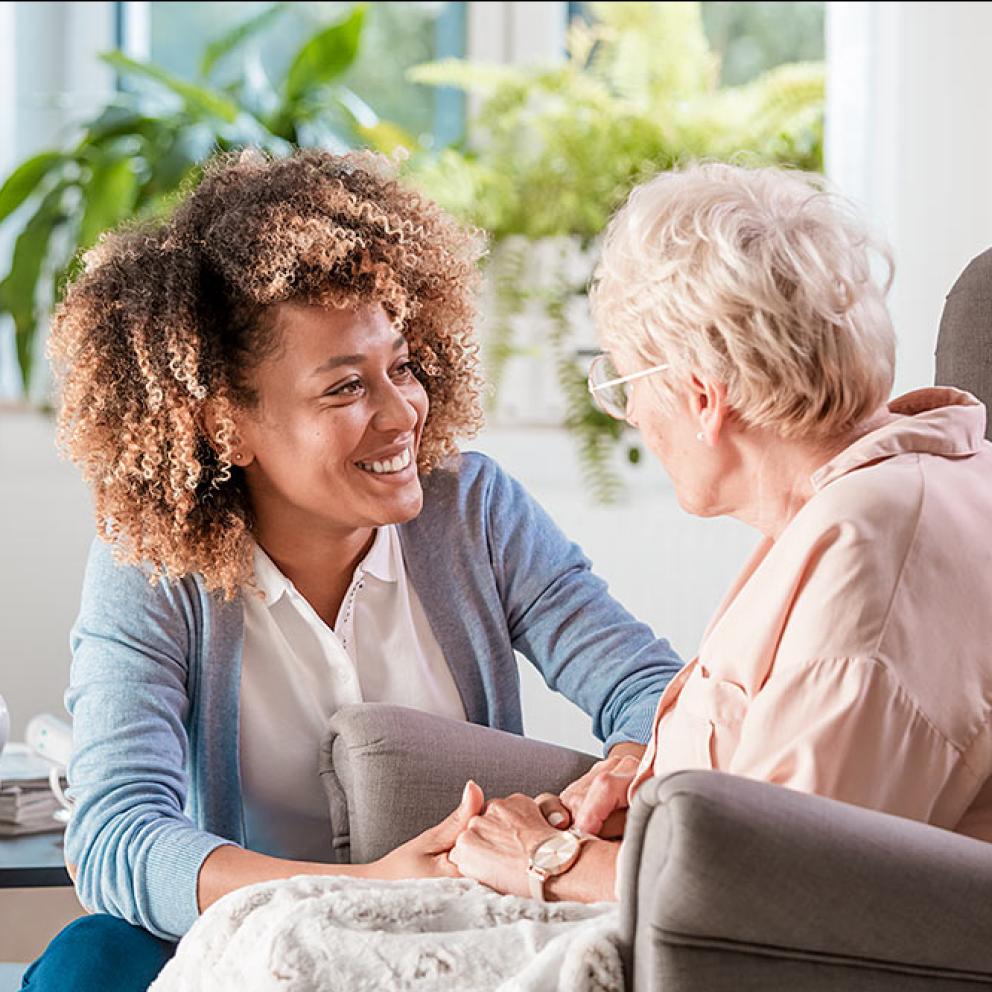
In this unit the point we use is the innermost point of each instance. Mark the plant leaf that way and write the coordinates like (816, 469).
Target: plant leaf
(19, 290)
(472, 77)
(239, 34)
(114, 121)
(361, 113)
(109, 197)
(326, 56)
(199, 101)
(176, 152)
(256, 94)
(24, 180)
(386, 137)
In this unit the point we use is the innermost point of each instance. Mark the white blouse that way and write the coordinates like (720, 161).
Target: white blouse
(297, 672)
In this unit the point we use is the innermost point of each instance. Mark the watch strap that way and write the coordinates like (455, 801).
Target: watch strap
(535, 881)
(538, 877)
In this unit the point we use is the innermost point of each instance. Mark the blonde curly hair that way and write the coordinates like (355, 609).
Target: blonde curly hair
(172, 315)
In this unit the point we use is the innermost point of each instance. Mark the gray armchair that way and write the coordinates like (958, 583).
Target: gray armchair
(730, 885)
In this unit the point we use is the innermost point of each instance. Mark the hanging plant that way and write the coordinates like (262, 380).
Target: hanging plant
(556, 150)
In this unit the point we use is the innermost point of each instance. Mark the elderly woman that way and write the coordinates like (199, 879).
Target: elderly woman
(745, 337)
(264, 392)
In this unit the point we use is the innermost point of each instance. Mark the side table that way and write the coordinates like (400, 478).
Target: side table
(31, 862)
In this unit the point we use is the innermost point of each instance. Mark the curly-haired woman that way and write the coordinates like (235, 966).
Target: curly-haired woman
(264, 393)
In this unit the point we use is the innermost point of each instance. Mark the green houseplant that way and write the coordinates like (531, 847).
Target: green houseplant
(555, 151)
(150, 141)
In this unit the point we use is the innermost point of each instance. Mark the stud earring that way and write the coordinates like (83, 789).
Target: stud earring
(236, 458)
(699, 436)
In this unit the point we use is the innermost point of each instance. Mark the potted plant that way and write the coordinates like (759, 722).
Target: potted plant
(150, 141)
(556, 150)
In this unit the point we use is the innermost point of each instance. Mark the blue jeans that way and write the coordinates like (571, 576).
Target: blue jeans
(98, 954)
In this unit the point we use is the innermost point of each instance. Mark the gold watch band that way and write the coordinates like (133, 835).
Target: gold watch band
(535, 880)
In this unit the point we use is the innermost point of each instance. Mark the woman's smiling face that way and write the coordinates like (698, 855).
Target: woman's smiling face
(332, 443)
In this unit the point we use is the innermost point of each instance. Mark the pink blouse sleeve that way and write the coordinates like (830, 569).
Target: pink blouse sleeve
(844, 728)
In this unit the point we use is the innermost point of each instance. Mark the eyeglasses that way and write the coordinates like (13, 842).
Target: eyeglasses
(609, 389)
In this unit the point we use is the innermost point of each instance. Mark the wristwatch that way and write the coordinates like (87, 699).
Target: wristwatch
(553, 856)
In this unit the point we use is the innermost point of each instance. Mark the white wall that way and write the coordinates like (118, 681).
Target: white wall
(48, 51)
(45, 529)
(910, 138)
(49, 76)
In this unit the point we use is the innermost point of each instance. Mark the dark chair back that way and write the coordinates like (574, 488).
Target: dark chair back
(964, 344)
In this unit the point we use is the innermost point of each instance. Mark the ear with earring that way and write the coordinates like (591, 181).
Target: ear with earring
(236, 457)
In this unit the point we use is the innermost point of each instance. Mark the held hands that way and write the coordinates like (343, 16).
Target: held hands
(492, 843)
(426, 856)
(494, 847)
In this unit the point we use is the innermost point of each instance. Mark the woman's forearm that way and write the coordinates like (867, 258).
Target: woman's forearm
(593, 876)
(228, 868)
(628, 749)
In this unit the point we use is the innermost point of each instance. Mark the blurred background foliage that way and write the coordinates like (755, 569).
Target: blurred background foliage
(751, 38)
(395, 36)
(151, 139)
(548, 153)
(555, 150)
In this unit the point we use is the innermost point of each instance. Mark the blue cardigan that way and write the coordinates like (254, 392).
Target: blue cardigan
(156, 669)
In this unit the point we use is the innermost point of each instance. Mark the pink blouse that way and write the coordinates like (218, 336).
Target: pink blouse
(852, 657)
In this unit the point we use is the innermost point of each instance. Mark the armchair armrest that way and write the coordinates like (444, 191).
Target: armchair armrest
(391, 772)
(733, 884)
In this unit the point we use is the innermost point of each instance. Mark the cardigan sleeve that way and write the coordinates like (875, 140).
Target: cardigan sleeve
(562, 617)
(137, 854)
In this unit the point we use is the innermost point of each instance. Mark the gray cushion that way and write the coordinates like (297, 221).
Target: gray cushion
(732, 884)
(390, 772)
(964, 345)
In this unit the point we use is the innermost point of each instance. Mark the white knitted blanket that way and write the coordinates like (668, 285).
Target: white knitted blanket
(313, 933)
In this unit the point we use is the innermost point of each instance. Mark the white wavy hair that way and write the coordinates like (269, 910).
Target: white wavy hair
(757, 278)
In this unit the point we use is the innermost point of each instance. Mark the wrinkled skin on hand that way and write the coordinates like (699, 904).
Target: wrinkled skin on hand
(494, 848)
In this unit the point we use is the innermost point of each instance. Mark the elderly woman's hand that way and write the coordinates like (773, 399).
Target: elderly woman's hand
(494, 848)
(597, 802)
(426, 856)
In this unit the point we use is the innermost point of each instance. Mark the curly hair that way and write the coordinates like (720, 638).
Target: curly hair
(169, 316)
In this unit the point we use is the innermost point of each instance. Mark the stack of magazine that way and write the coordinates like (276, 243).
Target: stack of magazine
(27, 804)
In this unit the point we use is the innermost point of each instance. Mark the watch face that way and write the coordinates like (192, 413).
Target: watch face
(555, 852)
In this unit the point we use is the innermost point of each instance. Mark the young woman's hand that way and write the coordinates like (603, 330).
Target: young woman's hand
(426, 856)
